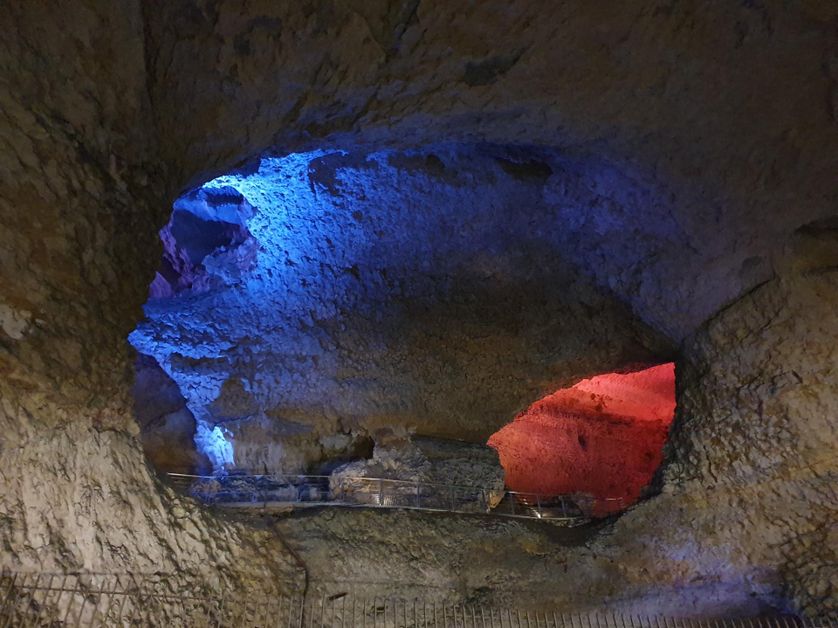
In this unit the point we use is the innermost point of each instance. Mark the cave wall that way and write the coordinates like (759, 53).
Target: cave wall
(754, 447)
(728, 110)
(725, 112)
(744, 522)
(443, 463)
(82, 194)
(602, 437)
(396, 287)
(167, 427)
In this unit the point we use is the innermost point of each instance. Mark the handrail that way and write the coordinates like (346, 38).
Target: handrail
(376, 479)
(233, 490)
(40, 599)
(231, 476)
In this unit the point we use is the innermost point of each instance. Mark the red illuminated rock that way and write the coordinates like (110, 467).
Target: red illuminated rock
(604, 436)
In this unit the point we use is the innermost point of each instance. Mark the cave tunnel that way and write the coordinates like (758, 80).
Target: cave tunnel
(428, 255)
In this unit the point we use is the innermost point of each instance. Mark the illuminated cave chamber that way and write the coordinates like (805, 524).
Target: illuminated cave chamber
(204, 243)
(602, 437)
(668, 165)
(375, 313)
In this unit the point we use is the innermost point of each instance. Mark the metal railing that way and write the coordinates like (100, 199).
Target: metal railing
(250, 490)
(101, 600)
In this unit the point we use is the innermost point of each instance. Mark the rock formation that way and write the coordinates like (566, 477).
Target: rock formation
(602, 437)
(680, 156)
(205, 243)
(167, 427)
(429, 472)
(395, 288)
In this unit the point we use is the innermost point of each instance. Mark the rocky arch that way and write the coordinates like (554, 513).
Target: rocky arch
(110, 112)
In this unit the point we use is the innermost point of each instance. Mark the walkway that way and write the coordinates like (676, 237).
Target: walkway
(282, 491)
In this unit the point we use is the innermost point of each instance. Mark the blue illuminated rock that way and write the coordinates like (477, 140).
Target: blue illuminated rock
(440, 289)
(167, 427)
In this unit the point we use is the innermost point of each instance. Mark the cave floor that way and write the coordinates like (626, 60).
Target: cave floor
(447, 556)
(283, 508)
(284, 513)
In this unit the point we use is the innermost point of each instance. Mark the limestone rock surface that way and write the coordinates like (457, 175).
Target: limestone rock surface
(744, 522)
(710, 122)
(428, 472)
(433, 289)
(167, 427)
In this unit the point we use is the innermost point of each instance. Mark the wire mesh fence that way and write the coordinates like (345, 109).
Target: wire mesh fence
(91, 600)
(243, 490)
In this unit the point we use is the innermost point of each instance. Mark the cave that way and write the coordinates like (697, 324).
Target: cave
(309, 302)
(574, 263)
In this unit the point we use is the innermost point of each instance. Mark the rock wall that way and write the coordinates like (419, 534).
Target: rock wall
(744, 522)
(724, 111)
(79, 498)
(603, 437)
(391, 288)
(499, 562)
(720, 111)
(206, 244)
(82, 195)
(167, 427)
(440, 462)
(757, 430)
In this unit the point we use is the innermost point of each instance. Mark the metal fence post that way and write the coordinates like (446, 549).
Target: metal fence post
(380, 491)
(418, 495)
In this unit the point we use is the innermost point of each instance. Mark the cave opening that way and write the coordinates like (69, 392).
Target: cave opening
(601, 439)
(373, 315)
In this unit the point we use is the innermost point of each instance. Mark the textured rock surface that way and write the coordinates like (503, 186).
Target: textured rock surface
(78, 246)
(392, 288)
(425, 472)
(724, 113)
(270, 445)
(433, 461)
(721, 112)
(97, 507)
(746, 515)
(206, 244)
(461, 464)
(747, 509)
(603, 436)
(747, 468)
(496, 561)
(167, 427)
(758, 430)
